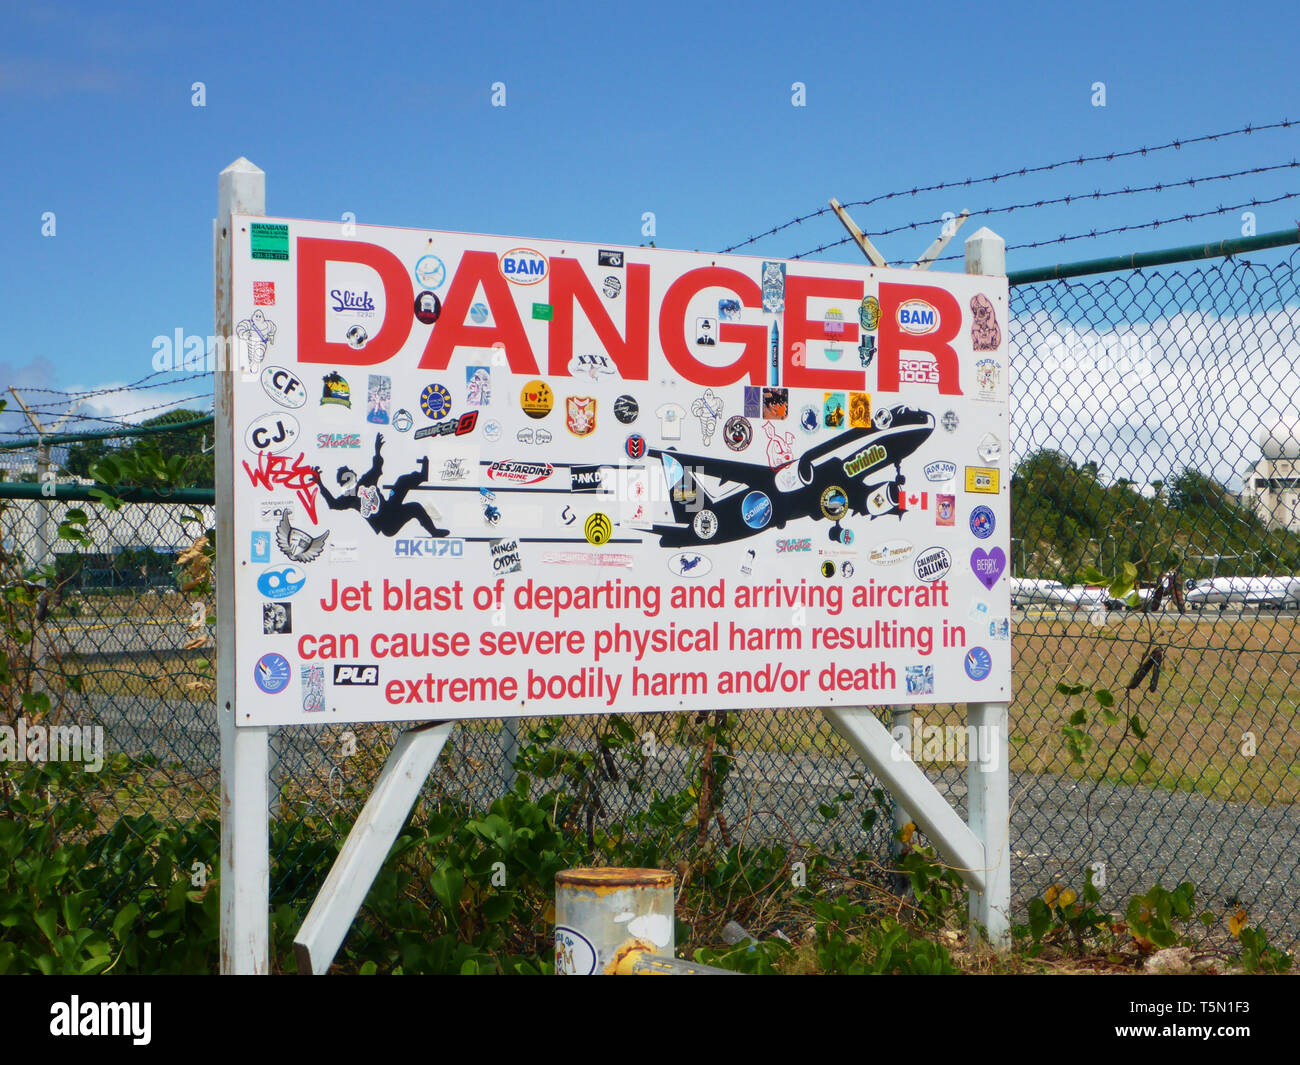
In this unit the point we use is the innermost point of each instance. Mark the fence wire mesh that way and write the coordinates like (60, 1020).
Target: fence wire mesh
(1153, 424)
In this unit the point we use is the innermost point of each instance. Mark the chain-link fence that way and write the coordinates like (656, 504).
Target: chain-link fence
(1153, 426)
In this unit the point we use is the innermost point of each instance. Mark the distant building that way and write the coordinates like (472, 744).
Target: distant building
(1272, 486)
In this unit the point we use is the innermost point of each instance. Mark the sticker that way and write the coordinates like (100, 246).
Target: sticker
(402, 420)
(279, 583)
(478, 386)
(543, 312)
(833, 410)
(780, 452)
(979, 612)
(689, 564)
(358, 304)
(828, 568)
(809, 419)
(277, 619)
(859, 410)
(271, 673)
(945, 510)
(427, 547)
(272, 433)
(984, 332)
(612, 287)
(866, 350)
(833, 322)
(462, 426)
(343, 553)
(588, 558)
(706, 331)
(753, 404)
(284, 387)
(634, 446)
(940, 471)
(435, 401)
(598, 529)
(1000, 629)
(982, 479)
(834, 503)
(729, 310)
(478, 313)
(519, 472)
(269, 240)
(487, 501)
(454, 469)
(988, 565)
(914, 500)
(427, 307)
(867, 459)
(949, 421)
(737, 433)
(773, 287)
(605, 257)
(256, 333)
(890, 553)
(492, 431)
(670, 420)
(580, 415)
(756, 510)
(379, 391)
(932, 564)
(537, 399)
(988, 375)
(335, 391)
(356, 337)
(869, 313)
(884, 418)
(298, 545)
(989, 449)
(505, 556)
(776, 404)
(523, 266)
(592, 366)
(918, 318)
(263, 293)
(585, 479)
(979, 663)
(626, 409)
(847, 570)
(708, 408)
(313, 689)
(574, 954)
(356, 675)
(429, 272)
(982, 522)
(920, 679)
(705, 524)
(259, 549)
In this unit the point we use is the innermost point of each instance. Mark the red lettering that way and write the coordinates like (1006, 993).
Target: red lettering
(795, 372)
(672, 328)
(274, 471)
(479, 268)
(313, 254)
(630, 352)
(893, 339)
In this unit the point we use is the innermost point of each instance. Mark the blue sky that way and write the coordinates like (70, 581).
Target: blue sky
(681, 109)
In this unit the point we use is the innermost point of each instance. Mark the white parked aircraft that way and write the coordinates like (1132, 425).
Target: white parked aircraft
(1278, 593)
(1025, 590)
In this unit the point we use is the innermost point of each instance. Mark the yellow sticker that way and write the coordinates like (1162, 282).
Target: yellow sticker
(982, 479)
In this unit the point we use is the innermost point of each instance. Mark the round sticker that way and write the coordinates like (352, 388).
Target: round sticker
(356, 337)
(613, 286)
(756, 510)
(427, 307)
(808, 420)
(982, 522)
(834, 503)
(828, 568)
(705, 524)
(884, 418)
(626, 409)
(738, 432)
(635, 446)
(598, 528)
(430, 272)
(574, 954)
(869, 313)
(402, 420)
(435, 401)
(271, 673)
(932, 564)
(478, 314)
(949, 421)
(537, 399)
(492, 431)
(979, 663)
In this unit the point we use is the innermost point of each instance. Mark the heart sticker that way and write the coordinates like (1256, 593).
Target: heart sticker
(988, 565)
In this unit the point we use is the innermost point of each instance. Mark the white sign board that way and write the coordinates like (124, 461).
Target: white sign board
(486, 476)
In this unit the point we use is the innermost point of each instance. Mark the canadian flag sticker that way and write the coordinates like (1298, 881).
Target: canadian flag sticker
(914, 500)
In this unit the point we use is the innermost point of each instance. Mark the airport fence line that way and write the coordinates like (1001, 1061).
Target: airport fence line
(1139, 399)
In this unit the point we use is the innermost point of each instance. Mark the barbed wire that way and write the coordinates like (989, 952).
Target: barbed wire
(1080, 160)
(108, 419)
(108, 390)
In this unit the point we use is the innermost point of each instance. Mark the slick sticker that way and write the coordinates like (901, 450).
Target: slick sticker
(984, 332)
(268, 240)
(259, 549)
(598, 529)
(478, 386)
(920, 679)
(313, 689)
(505, 556)
(705, 524)
(776, 404)
(989, 449)
(869, 314)
(626, 409)
(279, 583)
(298, 545)
(272, 433)
(729, 310)
(979, 663)
(753, 405)
(537, 399)
(609, 258)
(949, 421)
(988, 375)
(737, 433)
(402, 420)
(580, 415)
(335, 391)
(809, 419)
(356, 337)
(255, 333)
(756, 510)
(932, 564)
(271, 673)
(833, 415)
(277, 619)
(859, 410)
(834, 503)
(612, 287)
(982, 479)
(284, 387)
(634, 446)
(945, 510)
(982, 522)
(435, 401)
(708, 409)
(706, 331)
(430, 272)
(689, 564)
(263, 293)
(774, 287)
(379, 391)
(988, 565)
(427, 307)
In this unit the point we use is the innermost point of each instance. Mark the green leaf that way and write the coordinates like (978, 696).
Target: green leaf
(1104, 697)
(1135, 723)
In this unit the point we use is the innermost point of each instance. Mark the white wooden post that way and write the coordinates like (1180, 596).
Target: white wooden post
(988, 779)
(245, 861)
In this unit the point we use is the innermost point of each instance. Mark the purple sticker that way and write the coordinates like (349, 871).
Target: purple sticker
(988, 565)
